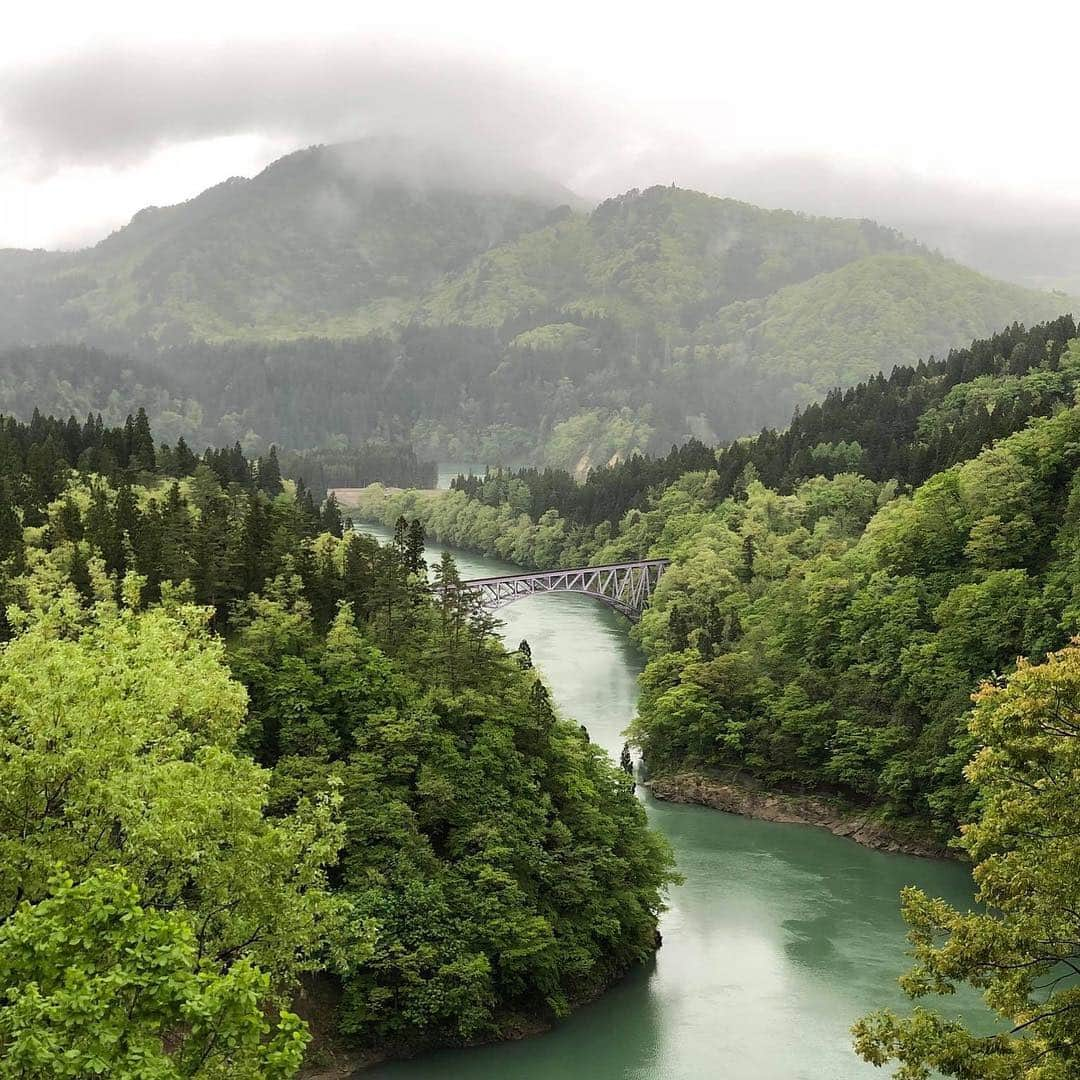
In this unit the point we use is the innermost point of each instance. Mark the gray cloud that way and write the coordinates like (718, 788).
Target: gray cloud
(117, 107)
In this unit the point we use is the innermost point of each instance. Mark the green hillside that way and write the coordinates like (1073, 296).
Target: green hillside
(722, 317)
(665, 258)
(377, 289)
(872, 314)
(331, 240)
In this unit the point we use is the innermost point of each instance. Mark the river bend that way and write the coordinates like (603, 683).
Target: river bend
(780, 937)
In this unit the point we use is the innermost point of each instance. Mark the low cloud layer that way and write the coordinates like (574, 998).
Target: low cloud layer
(70, 127)
(117, 106)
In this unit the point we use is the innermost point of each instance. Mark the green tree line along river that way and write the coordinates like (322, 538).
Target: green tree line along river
(780, 937)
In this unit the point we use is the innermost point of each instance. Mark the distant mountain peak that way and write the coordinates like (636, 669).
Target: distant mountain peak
(381, 160)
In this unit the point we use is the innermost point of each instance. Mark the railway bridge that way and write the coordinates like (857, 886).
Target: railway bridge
(625, 586)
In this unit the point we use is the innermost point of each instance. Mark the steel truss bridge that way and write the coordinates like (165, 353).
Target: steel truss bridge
(627, 587)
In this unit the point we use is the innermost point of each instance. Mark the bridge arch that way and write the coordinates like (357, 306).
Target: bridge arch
(627, 587)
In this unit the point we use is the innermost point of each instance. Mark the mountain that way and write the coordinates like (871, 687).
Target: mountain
(666, 258)
(1042, 251)
(380, 289)
(333, 240)
(708, 317)
(871, 315)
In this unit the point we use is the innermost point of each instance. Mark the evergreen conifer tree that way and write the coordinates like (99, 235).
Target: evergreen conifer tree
(142, 443)
(330, 519)
(414, 547)
(269, 478)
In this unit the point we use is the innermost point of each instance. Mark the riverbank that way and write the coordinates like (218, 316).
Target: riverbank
(778, 939)
(733, 792)
(340, 1061)
(737, 794)
(330, 1058)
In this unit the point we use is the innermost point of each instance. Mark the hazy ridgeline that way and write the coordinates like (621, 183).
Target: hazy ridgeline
(357, 292)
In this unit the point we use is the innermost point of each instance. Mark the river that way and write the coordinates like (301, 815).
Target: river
(780, 937)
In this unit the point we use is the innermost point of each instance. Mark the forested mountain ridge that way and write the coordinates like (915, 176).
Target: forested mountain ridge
(379, 290)
(333, 240)
(904, 427)
(869, 315)
(722, 315)
(664, 258)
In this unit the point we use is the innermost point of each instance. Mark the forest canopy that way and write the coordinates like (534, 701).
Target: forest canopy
(831, 605)
(838, 592)
(245, 746)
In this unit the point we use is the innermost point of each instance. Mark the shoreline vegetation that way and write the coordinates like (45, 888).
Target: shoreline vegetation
(730, 791)
(330, 1058)
(266, 756)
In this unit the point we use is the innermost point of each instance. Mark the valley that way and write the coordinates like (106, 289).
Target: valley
(539, 544)
(383, 290)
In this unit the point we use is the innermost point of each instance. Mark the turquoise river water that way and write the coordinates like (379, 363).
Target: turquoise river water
(781, 936)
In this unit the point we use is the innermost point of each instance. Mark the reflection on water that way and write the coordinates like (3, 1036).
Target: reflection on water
(780, 937)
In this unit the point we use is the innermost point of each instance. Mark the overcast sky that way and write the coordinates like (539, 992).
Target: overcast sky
(945, 108)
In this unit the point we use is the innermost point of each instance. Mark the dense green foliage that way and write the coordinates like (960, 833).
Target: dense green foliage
(120, 750)
(906, 427)
(827, 635)
(358, 466)
(194, 910)
(96, 984)
(502, 856)
(380, 291)
(787, 642)
(604, 495)
(243, 392)
(1023, 949)
(350, 779)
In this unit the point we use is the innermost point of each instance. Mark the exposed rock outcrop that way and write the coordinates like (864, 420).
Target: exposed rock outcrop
(738, 795)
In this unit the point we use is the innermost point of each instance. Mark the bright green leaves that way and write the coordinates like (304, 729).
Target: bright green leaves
(1023, 949)
(117, 735)
(96, 984)
(857, 653)
(504, 860)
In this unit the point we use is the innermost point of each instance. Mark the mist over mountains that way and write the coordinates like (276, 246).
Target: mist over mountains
(387, 288)
(1033, 241)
